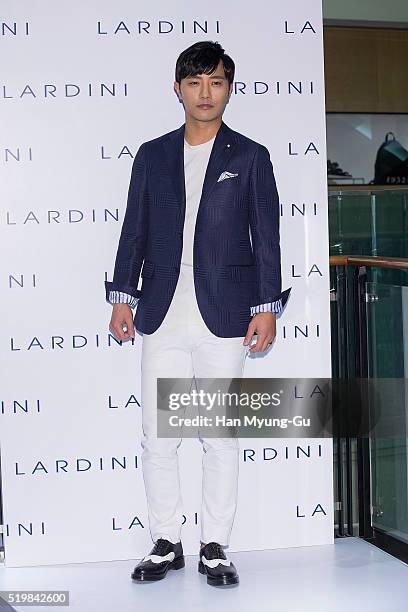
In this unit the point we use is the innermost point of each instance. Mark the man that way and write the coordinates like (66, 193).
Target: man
(202, 229)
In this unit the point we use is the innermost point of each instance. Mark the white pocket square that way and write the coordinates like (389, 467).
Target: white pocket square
(226, 175)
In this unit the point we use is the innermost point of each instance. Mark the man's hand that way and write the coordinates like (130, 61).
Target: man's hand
(121, 315)
(264, 325)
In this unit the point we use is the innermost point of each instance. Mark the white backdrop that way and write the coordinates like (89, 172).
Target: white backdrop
(78, 98)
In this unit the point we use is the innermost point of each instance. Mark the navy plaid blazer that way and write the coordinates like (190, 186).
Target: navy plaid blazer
(236, 253)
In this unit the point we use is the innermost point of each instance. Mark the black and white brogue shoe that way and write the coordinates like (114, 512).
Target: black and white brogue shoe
(164, 556)
(215, 565)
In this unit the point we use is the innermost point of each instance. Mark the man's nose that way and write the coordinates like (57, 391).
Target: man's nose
(205, 91)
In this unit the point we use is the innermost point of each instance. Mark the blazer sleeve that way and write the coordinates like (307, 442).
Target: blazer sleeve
(264, 217)
(132, 242)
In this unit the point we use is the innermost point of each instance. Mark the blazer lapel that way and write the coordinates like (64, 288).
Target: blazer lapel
(174, 154)
(218, 162)
(221, 150)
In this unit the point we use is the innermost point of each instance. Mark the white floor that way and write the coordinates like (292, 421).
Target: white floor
(350, 576)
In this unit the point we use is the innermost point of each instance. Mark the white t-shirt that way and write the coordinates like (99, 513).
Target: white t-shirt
(195, 165)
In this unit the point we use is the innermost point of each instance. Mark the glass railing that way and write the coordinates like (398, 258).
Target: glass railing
(368, 222)
(387, 357)
(369, 318)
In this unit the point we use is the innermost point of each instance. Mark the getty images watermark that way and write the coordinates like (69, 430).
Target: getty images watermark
(278, 407)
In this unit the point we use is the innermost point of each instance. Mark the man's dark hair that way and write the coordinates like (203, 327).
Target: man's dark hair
(203, 58)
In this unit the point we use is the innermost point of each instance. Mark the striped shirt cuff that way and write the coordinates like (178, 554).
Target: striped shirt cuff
(119, 297)
(275, 306)
(267, 307)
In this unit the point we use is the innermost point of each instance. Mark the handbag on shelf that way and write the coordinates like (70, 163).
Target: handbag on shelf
(391, 164)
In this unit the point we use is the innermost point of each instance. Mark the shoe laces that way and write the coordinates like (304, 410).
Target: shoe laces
(216, 551)
(161, 547)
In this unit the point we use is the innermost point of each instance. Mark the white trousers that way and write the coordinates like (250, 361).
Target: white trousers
(183, 347)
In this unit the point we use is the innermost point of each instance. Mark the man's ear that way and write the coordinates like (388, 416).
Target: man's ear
(178, 93)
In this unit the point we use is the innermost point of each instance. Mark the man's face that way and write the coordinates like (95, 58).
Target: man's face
(205, 96)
